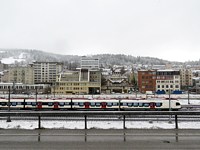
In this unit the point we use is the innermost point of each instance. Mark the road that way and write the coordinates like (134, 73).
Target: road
(48, 139)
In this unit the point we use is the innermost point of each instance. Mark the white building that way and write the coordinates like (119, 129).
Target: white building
(167, 81)
(89, 63)
(45, 72)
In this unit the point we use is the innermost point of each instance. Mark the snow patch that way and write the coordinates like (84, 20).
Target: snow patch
(17, 124)
(12, 60)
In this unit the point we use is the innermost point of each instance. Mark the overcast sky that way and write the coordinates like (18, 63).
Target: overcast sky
(167, 29)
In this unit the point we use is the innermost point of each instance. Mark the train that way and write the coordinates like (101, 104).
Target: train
(89, 104)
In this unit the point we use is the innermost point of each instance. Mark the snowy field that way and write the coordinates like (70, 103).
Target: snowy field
(97, 125)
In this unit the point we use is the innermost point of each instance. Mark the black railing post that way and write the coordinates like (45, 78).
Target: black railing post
(39, 122)
(176, 121)
(85, 122)
(124, 122)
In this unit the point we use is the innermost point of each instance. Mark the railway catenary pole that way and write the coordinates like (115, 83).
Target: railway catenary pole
(36, 95)
(8, 118)
(170, 121)
(188, 95)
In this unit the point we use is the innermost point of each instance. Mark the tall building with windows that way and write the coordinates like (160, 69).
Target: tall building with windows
(89, 63)
(167, 81)
(146, 80)
(20, 74)
(45, 72)
(186, 78)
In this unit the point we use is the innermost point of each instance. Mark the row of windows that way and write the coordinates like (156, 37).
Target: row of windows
(73, 88)
(167, 81)
(34, 103)
(73, 84)
(150, 73)
(22, 87)
(134, 104)
(167, 86)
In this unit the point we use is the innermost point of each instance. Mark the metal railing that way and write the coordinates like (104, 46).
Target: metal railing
(86, 114)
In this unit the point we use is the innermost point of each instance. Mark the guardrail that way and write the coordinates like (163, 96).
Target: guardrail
(87, 114)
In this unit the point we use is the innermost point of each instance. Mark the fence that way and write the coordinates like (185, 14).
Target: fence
(86, 114)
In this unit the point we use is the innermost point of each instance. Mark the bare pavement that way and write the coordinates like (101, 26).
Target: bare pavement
(112, 139)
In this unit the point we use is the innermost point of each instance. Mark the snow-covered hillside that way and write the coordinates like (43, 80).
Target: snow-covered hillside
(13, 60)
(25, 56)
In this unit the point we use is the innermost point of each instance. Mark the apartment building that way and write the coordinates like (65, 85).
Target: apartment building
(186, 76)
(196, 85)
(146, 80)
(20, 74)
(4, 76)
(89, 62)
(167, 81)
(45, 72)
(3, 66)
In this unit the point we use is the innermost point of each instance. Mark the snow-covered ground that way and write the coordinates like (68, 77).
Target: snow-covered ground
(97, 125)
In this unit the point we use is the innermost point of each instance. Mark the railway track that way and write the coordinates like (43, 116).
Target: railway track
(108, 118)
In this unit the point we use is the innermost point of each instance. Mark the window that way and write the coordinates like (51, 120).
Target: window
(98, 104)
(124, 104)
(140, 104)
(13, 103)
(92, 104)
(61, 103)
(50, 104)
(19, 103)
(158, 104)
(109, 104)
(3, 103)
(33, 103)
(115, 104)
(130, 104)
(67, 103)
(81, 103)
(75, 103)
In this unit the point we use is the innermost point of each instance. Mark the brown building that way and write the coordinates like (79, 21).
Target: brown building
(146, 80)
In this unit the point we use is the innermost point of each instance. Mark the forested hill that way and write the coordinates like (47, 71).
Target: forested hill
(105, 59)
